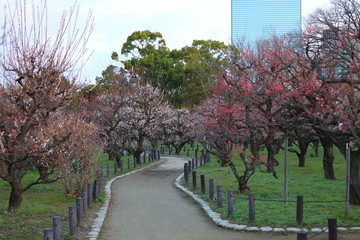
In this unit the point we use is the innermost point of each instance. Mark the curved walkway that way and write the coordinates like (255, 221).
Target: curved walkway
(146, 205)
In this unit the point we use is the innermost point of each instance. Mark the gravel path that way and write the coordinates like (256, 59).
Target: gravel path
(147, 205)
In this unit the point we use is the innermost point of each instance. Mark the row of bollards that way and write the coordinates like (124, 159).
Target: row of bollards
(76, 212)
(194, 163)
(204, 152)
(302, 235)
(89, 193)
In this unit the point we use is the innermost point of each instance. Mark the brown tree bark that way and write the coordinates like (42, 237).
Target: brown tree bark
(303, 146)
(328, 159)
(242, 180)
(354, 178)
(316, 148)
(271, 159)
(15, 198)
(243, 185)
(43, 172)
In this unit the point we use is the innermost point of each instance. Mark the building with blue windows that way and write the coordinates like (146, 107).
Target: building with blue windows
(255, 19)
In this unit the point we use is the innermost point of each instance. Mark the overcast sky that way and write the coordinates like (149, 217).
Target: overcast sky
(179, 21)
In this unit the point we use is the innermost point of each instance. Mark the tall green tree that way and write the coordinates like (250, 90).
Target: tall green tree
(204, 60)
(185, 76)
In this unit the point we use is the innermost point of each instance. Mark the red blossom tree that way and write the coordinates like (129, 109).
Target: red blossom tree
(332, 44)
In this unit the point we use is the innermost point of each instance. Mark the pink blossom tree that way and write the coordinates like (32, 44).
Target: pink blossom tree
(38, 81)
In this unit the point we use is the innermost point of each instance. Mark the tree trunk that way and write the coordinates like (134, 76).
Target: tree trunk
(316, 148)
(303, 146)
(43, 172)
(110, 154)
(178, 147)
(271, 160)
(118, 159)
(355, 178)
(242, 180)
(302, 155)
(137, 156)
(243, 185)
(328, 159)
(15, 195)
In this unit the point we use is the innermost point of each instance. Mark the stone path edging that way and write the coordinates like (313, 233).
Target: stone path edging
(215, 217)
(99, 220)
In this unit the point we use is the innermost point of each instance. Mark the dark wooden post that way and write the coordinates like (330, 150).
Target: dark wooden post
(122, 165)
(207, 155)
(101, 170)
(186, 173)
(115, 167)
(219, 196)
(95, 189)
(48, 234)
(230, 202)
(101, 176)
(192, 163)
(189, 166)
(84, 196)
(196, 162)
(302, 235)
(108, 170)
(299, 209)
(79, 211)
(211, 189)
(90, 194)
(144, 157)
(134, 161)
(187, 153)
(56, 227)
(202, 180)
(332, 225)
(251, 207)
(128, 163)
(194, 179)
(72, 220)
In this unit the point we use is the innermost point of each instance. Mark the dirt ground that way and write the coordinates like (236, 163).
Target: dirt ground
(146, 205)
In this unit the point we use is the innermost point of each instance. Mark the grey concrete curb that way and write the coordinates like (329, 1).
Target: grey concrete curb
(99, 220)
(215, 217)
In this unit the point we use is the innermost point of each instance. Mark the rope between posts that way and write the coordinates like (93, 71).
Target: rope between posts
(272, 200)
(317, 234)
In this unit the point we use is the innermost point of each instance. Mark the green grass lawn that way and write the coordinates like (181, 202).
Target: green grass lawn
(308, 182)
(43, 202)
(40, 204)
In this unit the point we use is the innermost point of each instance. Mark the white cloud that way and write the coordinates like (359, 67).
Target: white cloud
(309, 6)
